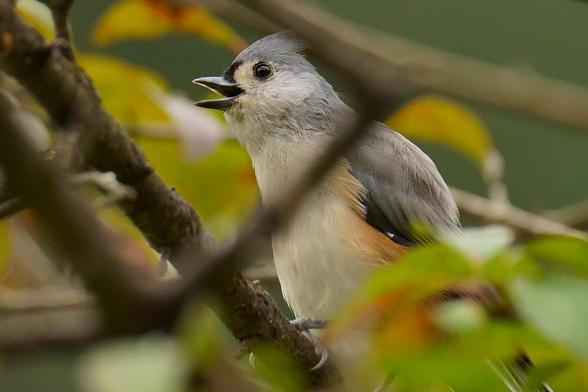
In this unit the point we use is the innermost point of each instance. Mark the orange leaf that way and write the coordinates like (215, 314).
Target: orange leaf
(143, 19)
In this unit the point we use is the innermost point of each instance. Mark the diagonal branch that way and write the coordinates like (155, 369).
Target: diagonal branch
(353, 50)
(521, 221)
(167, 221)
(60, 11)
(125, 293)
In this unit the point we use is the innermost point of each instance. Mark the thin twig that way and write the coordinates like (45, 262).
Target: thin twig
(60, 11)
(520, 220)
(46, 298)
(575, 215)
(375, 60)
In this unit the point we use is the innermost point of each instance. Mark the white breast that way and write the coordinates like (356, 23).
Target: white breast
(317, 272)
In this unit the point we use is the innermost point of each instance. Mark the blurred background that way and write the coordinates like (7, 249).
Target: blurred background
(545, 166)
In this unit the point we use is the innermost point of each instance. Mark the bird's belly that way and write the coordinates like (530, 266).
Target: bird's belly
(317, 270)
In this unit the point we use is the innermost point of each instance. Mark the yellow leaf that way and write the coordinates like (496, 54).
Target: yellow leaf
(4, 245)
(129, 92)
(221, 186)
(151, 18)
(37, 16)
(442, 120)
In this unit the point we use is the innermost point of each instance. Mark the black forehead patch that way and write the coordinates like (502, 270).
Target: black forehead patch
(229, 74)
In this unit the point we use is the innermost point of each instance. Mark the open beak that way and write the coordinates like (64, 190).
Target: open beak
(221, 86)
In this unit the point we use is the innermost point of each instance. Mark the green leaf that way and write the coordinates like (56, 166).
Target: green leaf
(278, 369)
(127, 19)
(221, 186)
(557, 307)
(459, 316)
(410, 279)
(481, 243)
(560, 253)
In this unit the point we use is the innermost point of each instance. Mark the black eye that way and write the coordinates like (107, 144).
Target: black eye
(262, 70)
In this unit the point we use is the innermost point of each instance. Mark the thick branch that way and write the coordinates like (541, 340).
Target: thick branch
(64, 90)
(166, 220)
(353, 49)
(125, 293)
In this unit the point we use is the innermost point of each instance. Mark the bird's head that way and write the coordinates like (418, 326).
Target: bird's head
(270, 89)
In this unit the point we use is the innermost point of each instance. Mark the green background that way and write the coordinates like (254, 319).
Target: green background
(546, 164)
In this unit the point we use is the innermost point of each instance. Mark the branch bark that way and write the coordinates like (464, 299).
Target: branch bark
(167, 220)
(128, 296)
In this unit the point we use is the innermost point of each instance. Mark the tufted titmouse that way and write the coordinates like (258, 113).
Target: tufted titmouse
(363, 214)
(283, 111)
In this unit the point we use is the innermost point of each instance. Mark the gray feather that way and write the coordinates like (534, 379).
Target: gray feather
(403, 185)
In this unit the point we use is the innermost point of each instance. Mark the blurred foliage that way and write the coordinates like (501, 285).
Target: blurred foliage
(221, 186)
(38, 16)
(128, 91)
(154, 18)
(428, 345)
(442, 120)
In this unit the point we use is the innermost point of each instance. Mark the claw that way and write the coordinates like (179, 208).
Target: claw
(164, 256)
(252, 360)
(324, 353)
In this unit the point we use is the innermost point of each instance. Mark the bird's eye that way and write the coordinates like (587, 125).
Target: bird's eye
(262, 70)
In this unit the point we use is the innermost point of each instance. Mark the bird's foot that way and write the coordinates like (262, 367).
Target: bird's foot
(305, 325)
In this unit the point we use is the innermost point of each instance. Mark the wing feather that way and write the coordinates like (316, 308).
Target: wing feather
(404, 187)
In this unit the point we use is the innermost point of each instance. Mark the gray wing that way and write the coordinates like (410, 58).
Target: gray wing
(403, 187)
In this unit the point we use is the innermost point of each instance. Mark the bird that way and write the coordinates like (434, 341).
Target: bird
(363, 214)
(284, 112)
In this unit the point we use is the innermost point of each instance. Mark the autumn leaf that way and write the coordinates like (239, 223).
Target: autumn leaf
(127, 19)
(129, 92)
(442, 120)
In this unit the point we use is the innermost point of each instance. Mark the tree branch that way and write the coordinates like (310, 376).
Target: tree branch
(522, 221)
(575, 215)
(166, 220)
(60, 11)
(354, 49)
(128, 296)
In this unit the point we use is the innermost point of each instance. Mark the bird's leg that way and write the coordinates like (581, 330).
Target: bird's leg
(306, 324)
